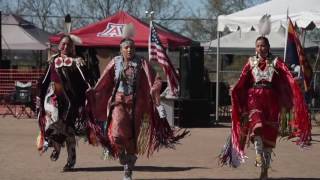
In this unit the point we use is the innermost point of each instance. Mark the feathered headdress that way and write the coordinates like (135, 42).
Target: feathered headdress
(67, 29)
(67, 24)
(128, 31)
(264, 25)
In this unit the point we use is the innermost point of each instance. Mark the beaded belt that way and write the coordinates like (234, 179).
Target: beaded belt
(262, 85)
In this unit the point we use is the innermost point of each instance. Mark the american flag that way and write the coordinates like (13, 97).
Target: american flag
(157, 53)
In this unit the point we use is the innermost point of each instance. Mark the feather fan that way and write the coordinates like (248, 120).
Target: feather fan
(264, 25)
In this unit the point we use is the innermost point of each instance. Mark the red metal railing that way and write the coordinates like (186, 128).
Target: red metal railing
(8, 77)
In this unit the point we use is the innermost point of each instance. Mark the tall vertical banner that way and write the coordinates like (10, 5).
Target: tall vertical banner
(295, 55)
(157, 53)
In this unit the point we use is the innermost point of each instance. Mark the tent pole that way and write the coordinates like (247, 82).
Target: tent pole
(1, 35)
(217, 78)
(286, 39)
(303, 34)
(314, 70)
(40, 59)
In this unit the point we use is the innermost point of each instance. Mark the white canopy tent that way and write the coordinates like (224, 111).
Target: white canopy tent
(22, 43)
(16, 38)
(18, 34)
(242, 43)
(304, 13)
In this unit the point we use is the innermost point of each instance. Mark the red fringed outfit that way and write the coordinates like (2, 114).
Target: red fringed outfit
(267, 97)
(134, 122)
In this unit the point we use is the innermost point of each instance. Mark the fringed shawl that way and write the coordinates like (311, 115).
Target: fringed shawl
(153, 131)
(295, 121)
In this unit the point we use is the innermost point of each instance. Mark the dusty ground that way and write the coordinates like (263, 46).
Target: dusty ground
(194, 159)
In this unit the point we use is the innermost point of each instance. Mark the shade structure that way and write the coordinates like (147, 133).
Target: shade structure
(305, 13)
(107, 33)
(19, 34)
(243, 43)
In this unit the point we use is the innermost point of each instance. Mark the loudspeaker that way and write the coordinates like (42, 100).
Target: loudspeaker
(191, 72)
(4, 64)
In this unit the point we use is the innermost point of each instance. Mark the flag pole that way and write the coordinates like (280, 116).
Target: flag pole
(217, 78)
(150, 15)
(286, 39)
(149, 43)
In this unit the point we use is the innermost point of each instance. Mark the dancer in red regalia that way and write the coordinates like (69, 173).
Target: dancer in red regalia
(266, 101)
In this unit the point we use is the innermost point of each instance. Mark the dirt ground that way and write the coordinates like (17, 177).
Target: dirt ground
(194, 158)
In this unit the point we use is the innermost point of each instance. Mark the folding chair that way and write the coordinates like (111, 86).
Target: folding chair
(23, 99)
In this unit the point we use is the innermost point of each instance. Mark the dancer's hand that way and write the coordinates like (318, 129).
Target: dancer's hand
(161, 111)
